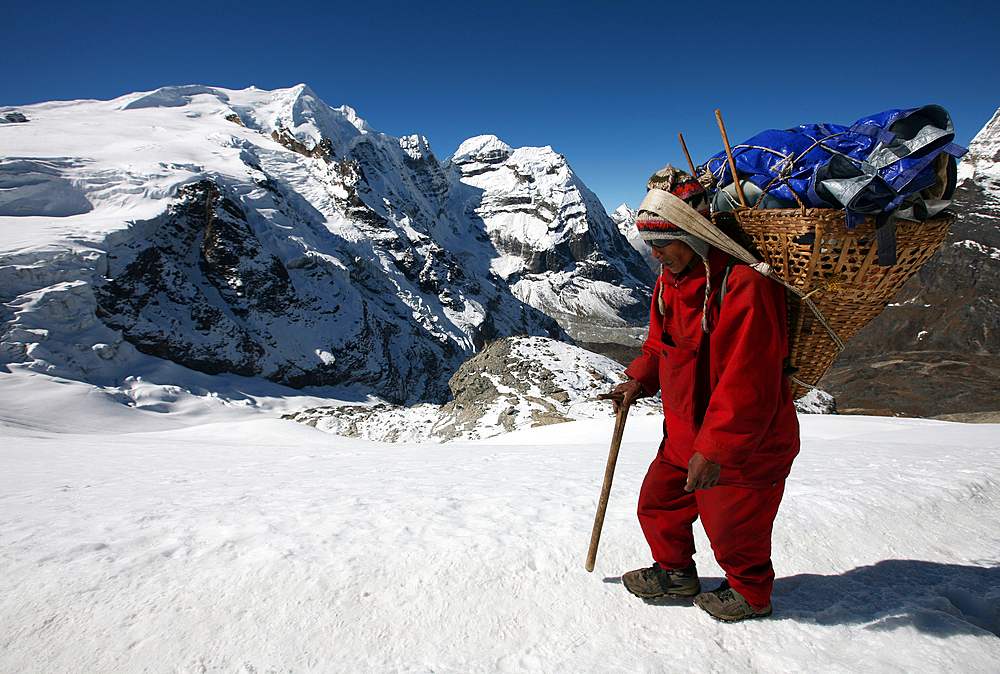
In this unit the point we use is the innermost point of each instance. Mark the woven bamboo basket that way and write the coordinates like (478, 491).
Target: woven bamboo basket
(814, 252)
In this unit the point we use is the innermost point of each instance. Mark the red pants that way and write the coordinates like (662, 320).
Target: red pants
(737, 520)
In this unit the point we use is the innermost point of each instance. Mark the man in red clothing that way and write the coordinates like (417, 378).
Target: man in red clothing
(716, 343)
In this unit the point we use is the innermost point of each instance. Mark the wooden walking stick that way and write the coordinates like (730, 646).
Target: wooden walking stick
(609, 473)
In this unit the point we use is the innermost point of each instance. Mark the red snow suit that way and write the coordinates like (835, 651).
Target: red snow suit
(724, 395)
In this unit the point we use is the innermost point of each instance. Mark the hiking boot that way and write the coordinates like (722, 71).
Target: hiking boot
(729, 605)
(656, 582)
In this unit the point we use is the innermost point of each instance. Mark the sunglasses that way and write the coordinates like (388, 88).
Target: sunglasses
(660, 243)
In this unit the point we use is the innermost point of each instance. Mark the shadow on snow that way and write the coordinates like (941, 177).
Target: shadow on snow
(939, 599)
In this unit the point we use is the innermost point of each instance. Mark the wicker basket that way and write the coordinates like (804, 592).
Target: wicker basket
(814, 252)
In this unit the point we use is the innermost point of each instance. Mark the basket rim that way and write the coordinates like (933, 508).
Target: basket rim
(826, 213)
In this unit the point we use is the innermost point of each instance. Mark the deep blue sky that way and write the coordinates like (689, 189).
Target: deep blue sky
(608, 85)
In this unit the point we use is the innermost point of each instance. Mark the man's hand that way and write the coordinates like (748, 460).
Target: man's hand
(702, 473)
(632, 390)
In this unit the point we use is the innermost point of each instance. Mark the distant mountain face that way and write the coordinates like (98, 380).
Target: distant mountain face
(624, 217)
(559, 249)
(266, 234)
(936, 348)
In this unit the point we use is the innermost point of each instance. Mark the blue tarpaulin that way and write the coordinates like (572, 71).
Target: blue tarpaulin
(898, 162)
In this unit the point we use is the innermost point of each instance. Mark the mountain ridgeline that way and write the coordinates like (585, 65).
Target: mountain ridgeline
(288, 240)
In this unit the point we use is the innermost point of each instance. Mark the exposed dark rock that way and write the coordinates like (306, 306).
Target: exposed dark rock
(159, 291)
(322, 150)
(199, 287)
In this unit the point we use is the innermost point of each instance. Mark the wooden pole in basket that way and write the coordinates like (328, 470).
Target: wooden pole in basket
(609, 473)
(690, 163)
(732, 162)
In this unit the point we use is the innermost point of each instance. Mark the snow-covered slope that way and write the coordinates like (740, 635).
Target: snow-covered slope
(266, 234)
(191, 534)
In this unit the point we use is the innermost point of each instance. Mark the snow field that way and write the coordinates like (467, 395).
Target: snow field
(230, 541)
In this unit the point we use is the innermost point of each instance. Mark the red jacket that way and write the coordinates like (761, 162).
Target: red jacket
(724, 393)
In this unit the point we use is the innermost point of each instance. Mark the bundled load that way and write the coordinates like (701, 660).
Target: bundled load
(841, 216)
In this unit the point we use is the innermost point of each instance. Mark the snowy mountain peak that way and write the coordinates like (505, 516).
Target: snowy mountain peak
(624, 218)
(482, 149)
(352, 117)
(623, 212)
(266, 234)
(298, 114)
(558, 248)
(982, 162)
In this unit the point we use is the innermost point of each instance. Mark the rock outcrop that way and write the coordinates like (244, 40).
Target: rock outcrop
(515, 382)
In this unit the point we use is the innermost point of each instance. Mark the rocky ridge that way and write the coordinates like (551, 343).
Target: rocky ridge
(513, 383)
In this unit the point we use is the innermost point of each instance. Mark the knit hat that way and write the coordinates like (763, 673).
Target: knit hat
(659, 226)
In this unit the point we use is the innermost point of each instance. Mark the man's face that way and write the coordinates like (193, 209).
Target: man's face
(676, 256)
